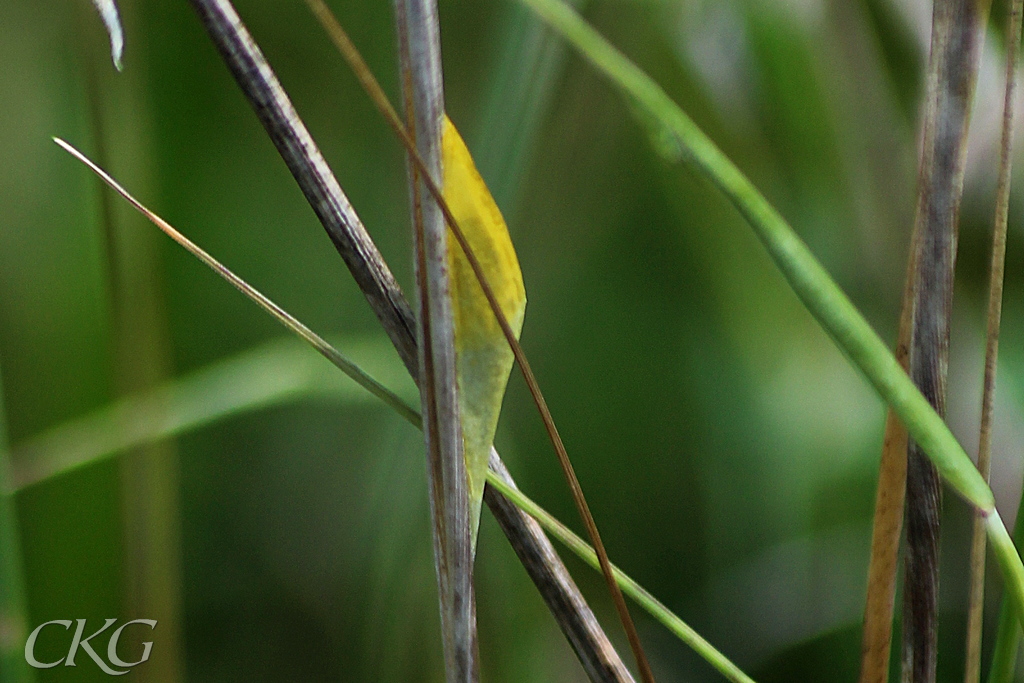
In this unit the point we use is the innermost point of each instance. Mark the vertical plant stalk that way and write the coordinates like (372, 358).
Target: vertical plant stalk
(975, 614)
(890, 494)
(321, 189)
(956, 39)
(13, 602)
(419, 49)
(876, 637)
(138, 339)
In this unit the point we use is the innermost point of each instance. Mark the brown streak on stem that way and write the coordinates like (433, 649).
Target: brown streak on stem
(972, 669)
(876, 638)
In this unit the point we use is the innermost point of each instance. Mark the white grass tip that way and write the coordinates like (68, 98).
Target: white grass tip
(112, 20)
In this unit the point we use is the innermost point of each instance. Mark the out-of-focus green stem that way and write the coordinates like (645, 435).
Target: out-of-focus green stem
(13, 604)
(269, 375)
(1004, 652)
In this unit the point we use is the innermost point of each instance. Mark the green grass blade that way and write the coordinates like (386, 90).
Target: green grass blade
(284, 317)
(1009, 562)
(13, 603)
(1004, 651)
(269, 375)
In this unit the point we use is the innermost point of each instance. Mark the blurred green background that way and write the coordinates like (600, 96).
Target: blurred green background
(727, 449)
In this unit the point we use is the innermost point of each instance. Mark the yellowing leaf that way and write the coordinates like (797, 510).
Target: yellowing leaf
(483, 358)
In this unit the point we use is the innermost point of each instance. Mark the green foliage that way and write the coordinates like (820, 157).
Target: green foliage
(727, 448)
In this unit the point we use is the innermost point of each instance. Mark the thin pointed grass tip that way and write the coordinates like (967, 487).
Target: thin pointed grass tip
(107, 10)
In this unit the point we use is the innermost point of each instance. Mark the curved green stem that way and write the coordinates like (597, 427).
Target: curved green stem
(1013, 575)
(1004, 652)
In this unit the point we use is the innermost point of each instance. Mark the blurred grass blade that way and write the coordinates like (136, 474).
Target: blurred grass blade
(515, 100)
(271, 374)
(1007, 635)
(811, 282)
(112, 20)
(13, 600)
(139, 344)
(1008, 631)
(419, 51)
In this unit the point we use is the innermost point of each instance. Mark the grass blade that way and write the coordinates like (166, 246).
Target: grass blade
(812, 283)
(139, 343)
(1008, 631)
(972, 671)
(259, 378)
(890, 496)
